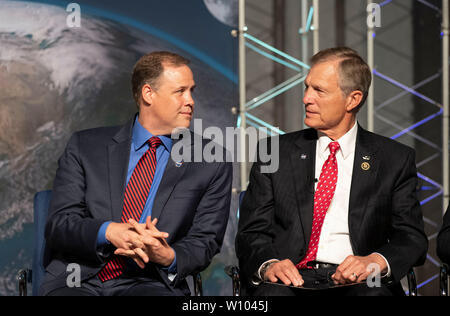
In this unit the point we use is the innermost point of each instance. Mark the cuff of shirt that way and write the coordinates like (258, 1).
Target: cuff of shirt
(101, 236)
(388, 274)
(172, 269)
(258, 278)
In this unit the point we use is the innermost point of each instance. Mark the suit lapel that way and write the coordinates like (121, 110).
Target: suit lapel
(172, 174)
(118, 159)
(365, 171)
(303, 157)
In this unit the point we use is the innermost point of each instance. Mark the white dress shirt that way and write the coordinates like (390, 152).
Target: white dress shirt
(334, 243)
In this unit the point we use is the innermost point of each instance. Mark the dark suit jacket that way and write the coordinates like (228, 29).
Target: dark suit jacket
(192, 205)
(443, 240)
(384, 213)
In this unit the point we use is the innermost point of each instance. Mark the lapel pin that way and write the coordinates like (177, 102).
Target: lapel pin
(304, 156)
(365, 166)
(178, 164)
(366, 157)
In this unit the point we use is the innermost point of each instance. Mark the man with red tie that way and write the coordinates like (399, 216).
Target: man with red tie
(342, 207)
(135, 221)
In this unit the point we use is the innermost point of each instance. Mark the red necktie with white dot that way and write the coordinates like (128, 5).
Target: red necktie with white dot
(322, 200)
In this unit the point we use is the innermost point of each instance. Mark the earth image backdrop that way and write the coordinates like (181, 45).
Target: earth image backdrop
(55, 80)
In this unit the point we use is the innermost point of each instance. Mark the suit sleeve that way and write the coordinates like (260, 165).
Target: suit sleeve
(195, 251)
(408, 244)
(70, 229)
(254, 240)
(443, 240)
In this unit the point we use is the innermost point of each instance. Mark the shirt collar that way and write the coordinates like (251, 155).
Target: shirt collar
(141, 136)
(347, 142)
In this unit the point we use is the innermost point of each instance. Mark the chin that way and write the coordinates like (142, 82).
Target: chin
(310, 123)
(186, 124)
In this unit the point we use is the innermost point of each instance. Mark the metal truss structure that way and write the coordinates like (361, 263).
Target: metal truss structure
(248, 41)
(441, 112)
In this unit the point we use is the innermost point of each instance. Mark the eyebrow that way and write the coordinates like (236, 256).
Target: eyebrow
(315, 86)
(185, 87)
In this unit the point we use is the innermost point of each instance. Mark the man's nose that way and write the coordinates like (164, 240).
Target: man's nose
(189, 99)
(307, 97)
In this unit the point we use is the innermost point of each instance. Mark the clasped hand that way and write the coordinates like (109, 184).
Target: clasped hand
(352, 270)
(142, 242)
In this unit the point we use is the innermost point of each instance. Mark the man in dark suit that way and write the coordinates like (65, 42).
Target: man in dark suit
(132, 219)
(443, 240)
(342, 207)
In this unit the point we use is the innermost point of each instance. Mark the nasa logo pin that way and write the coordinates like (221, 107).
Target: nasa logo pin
(178, 164)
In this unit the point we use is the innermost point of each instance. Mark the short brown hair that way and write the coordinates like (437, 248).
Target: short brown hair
(149, 67)
(354, 73)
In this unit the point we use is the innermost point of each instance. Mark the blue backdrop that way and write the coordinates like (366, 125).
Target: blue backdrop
(55, 80)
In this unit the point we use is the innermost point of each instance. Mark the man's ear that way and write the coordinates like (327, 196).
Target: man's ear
(354, 100)
(147, 94)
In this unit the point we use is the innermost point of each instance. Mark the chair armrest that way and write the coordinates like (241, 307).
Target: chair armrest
(443, 284)
(233, 273)
(412, 283)
(23, 278)
(198, 287)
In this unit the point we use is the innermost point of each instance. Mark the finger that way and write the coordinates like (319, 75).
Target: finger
(142, 255)
(270, 276)
(139, 262)
(347, 263)
(148, 222)
(352, 278)
(153, 232)
(151, 224)
(342, 272)
(293, 276)
(354, 271)
(152, 241)
(128, 245)
(130, 254)
(158, 234)
(362, 274)
(155, 239)
(348, 275)
(282, 276)
(134, 240)
(298, 278)
(136, 226)
(365, 273)
(363, 277)
(336, 277)
(279, 271)
(124, 252)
